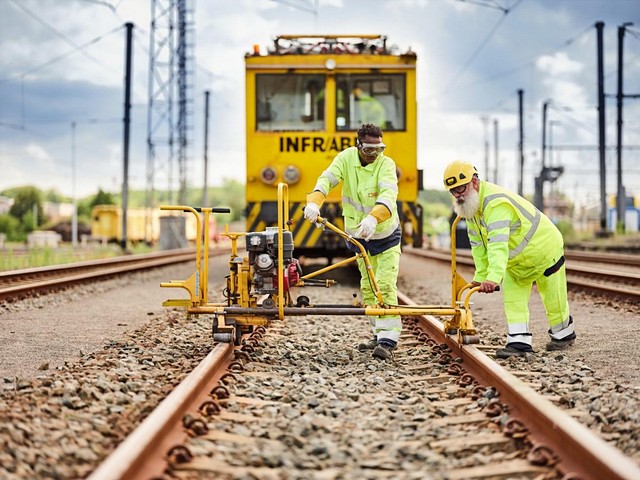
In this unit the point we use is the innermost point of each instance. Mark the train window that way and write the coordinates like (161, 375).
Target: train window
(287, 102)
(371, 98)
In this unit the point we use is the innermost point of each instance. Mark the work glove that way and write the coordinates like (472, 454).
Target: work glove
(367, 227)
(311, 212)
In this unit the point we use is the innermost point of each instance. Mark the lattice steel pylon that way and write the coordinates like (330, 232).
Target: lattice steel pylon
(169, 113)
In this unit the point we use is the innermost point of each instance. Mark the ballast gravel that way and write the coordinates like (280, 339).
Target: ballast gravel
(62, 420)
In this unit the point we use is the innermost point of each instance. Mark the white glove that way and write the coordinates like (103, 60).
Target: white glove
(311, 212)
(367, 227)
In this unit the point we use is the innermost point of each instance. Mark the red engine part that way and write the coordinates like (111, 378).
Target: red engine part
(291, 276)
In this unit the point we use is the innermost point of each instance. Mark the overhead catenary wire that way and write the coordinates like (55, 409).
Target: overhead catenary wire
(78, 48)
(480, 47)
(56, 32)
(529, 64)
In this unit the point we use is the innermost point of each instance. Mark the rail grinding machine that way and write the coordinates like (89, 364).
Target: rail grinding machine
(259, 285)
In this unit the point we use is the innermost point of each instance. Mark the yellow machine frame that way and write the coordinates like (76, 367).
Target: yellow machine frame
(244, 310)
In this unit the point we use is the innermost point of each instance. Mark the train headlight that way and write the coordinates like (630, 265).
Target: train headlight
(268, 175)
(291, 175)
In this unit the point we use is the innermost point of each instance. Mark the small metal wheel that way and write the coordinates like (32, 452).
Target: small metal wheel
(223, 337)
(470, 339)
(268, 303)
(452, 331)
(302, 301)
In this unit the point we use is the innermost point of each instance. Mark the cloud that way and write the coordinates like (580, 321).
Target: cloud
(35, 155)
(559, 64)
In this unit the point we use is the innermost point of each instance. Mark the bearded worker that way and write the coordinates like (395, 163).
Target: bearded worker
(513, 244)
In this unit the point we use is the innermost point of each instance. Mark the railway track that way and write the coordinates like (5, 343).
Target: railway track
(17, 284)
(295, 402)
(618, 277)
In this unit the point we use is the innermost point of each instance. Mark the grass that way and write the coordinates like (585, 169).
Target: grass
(16, 257)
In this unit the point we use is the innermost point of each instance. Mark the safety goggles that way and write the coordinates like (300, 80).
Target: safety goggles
(460, 189)
(372, 148)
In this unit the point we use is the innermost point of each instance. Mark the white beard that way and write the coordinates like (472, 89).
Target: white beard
(467, 205)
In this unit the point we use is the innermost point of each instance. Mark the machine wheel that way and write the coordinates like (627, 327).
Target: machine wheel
(223, 337)
(302, 301)
(268, 303)
(470, 339)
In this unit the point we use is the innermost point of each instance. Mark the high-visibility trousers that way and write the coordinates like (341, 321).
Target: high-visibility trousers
(385, 267)
(553, 291)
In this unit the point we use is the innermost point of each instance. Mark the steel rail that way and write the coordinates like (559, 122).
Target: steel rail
(89, 271)
(617, 279)
(584, 454)
(137, 456)
(10, 275)
(590, 257)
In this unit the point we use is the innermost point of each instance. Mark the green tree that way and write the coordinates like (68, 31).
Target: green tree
(10, 226)
(52, 195)
(102, 198)
(24, 201)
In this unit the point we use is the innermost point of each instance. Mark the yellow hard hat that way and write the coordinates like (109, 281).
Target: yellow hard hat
(458, 173)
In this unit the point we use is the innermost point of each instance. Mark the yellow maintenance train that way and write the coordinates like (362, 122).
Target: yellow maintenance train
(305, 99)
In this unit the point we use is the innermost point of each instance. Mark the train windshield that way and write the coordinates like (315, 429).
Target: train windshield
(379, 99)
(290, 103)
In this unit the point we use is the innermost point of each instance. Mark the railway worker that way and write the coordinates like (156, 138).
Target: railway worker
(369, 191)
(370, 110)
(515, 244)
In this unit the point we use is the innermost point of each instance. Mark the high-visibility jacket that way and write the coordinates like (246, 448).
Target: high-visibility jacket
(510, 233)
(366, 190)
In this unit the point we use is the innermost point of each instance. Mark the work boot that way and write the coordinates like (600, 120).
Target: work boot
(515, 349)
(383, 351)
(370, 345)
(554, 345)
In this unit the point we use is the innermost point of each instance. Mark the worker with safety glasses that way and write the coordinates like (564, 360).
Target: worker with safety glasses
(515, 244)
(369, 192)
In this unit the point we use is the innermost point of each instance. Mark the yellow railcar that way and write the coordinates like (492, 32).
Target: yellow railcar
(143, 225)
(305, 100)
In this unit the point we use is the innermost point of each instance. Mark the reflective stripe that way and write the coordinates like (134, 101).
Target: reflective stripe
(562, 330)
(524, 338)
(516, 328)
(356, 205)
(388, 186)
(525, 241)
(534, 219)
(386, 203)
(333, 181)
(472, 231)
(475, 244)
(498, 225)
(489, 198)
(499, 238)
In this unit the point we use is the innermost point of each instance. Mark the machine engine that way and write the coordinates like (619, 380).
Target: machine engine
(262, 248)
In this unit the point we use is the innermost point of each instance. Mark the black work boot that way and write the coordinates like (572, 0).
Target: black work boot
(514, 349)
(370, 345)
(554, 345)
(384, 350)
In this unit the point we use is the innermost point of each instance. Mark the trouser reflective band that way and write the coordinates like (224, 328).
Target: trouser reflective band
(519, 333)
(385, 268)
(563, 330)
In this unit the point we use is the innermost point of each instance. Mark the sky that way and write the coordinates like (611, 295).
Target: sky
(62, 85)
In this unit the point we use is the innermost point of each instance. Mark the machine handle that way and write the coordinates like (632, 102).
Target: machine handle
(213, 210)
